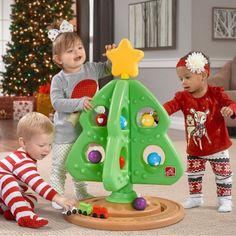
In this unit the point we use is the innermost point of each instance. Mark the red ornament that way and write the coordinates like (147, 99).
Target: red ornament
(101, 119)
(122, 162)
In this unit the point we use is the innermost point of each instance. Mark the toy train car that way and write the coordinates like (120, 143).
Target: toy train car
(89, 210)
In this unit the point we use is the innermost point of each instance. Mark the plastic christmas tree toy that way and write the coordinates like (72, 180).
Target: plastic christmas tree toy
(124, 142)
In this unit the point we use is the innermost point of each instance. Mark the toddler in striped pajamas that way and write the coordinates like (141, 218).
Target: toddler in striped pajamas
(18, 171)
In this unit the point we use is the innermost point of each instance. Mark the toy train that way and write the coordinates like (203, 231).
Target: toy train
(88, 210)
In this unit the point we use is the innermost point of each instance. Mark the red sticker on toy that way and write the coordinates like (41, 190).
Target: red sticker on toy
(170, 171)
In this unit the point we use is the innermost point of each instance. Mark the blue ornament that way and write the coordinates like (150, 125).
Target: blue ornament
(123, 122)
(154, 159)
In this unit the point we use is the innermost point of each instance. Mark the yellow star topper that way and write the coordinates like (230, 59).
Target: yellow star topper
(125, 59)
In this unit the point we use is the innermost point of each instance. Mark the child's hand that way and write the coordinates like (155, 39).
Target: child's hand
(87, 104)
(66, 203)
(109, 47)
(226, 111)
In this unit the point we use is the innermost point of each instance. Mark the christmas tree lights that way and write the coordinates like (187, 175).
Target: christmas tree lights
(28, 60)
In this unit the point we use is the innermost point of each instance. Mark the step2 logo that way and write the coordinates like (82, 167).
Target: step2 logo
(170, 171)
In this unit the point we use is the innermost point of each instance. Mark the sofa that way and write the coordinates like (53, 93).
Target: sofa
(226, 78)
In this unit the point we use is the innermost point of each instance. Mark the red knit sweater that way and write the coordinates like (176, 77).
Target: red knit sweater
(205, 128)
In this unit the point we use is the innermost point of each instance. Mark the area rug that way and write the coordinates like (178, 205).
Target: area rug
(204, 221)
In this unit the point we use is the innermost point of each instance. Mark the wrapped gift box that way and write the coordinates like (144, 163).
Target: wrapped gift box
(3, 114)
(44, 104)
(6, 105)
(21, 108)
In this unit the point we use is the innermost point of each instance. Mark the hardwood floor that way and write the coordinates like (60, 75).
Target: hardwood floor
(8, 137)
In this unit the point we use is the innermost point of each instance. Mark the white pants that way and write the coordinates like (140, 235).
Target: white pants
(58, 172)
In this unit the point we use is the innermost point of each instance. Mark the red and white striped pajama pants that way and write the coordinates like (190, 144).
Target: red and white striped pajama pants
(13, 197)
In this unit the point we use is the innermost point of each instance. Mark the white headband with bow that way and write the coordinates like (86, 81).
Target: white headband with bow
(64, 27)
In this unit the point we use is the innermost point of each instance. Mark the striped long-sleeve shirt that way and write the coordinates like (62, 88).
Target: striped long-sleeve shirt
(21, 166)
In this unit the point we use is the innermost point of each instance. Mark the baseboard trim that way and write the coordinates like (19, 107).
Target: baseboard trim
(171, 62)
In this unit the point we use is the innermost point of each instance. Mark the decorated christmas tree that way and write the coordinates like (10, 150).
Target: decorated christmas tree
(28, 58)
(124, 139)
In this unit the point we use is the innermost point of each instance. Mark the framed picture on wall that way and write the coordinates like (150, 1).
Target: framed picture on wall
(152, 24)
(224, 23)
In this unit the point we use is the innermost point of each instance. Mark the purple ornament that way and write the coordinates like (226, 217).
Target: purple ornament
(139, 203)
(94, 156)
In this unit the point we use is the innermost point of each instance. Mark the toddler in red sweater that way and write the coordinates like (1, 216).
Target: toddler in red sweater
(204, 108)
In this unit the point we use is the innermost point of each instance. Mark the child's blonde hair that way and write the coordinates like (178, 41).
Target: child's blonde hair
(34, 123)
(63, 41)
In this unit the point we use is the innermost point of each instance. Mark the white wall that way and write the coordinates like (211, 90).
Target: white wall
(157, 69)
(194, 26)
(5, 11)
(183, 28)
(202, 29)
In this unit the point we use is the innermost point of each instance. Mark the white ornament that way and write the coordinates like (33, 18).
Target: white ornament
(100, 109)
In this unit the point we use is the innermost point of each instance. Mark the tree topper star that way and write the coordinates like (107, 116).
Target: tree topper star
(125, 59)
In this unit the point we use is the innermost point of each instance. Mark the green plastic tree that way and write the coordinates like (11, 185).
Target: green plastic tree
(133, 143)
(28, 59)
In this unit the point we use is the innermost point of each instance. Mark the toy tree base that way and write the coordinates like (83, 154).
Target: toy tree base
(159, 212)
